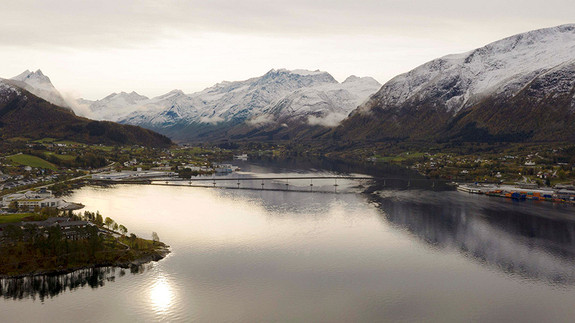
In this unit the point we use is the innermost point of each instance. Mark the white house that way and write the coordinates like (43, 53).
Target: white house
(33, 203)
(32, 199)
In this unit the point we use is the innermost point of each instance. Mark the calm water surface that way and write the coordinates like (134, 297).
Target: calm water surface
(249, 256)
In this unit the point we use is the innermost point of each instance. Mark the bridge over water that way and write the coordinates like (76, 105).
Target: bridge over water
(279, 178)
(315, 184)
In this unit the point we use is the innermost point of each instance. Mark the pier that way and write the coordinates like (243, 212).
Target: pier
(521, 193)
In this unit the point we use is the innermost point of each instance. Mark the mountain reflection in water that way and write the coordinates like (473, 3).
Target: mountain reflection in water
(48, 286)
(250, 256)
(524, 239)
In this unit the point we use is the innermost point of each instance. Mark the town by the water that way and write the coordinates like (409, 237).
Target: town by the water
(37, 175)
(287, 161)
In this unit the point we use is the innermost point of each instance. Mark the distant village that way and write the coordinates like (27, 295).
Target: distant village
(8, 182)
(544, 168)
(25, 165)
(33, 174)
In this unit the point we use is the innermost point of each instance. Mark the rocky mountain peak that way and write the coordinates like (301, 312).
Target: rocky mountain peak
(33, 78)
(40, 85)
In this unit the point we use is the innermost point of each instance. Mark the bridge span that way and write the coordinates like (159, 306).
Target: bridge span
(279, 178)
(315, 184)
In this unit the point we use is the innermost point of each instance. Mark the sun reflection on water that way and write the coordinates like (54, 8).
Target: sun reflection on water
(162, 295)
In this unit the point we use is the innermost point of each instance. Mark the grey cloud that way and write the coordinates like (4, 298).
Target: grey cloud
(105, 23)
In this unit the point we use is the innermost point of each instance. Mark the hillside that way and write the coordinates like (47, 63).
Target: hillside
(521, 88)
(23, 114)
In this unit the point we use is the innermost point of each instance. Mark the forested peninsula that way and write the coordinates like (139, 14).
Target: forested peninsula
(50, 241)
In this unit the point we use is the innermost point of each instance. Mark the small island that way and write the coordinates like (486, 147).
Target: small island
(53, 241)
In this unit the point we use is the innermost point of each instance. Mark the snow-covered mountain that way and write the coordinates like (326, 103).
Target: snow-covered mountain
(502, 88)
(40, 85)
(313, 97)
(114, 105)
(325, 104)
(503, 67)
(166, 110)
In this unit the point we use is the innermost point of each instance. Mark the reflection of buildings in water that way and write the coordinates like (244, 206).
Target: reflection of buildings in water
(48, 286)
(513, 241)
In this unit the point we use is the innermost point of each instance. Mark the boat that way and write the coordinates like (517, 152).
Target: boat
(473, 188)
(226, 168)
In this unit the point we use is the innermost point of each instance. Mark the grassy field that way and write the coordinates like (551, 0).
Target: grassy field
(12, 218)
(401, 157)
(57, 141)
(15, 139)
(103, 148)
(32, 161)
(45, 140)
(61, 157)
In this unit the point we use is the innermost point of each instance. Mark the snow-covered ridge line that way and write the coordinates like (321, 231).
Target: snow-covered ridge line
(503, 67)
(301, 93)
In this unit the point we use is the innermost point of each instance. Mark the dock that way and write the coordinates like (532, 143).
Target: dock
(520, 193)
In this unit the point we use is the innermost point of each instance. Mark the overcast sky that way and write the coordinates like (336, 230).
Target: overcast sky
(93, 48)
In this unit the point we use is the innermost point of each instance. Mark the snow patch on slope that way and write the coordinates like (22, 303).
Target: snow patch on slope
(7, 90)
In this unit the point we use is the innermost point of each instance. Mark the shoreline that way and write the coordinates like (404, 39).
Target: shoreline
(159, 254)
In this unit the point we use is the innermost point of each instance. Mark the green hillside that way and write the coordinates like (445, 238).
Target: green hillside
(32, 161)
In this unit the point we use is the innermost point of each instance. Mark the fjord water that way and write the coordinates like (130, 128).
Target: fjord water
(240, 255)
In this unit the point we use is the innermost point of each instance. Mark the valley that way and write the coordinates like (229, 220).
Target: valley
(287, 161)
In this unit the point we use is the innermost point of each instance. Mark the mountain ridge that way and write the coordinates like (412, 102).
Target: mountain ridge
(480, 95)
(278, 97)
(518, 88)
(23, 114)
